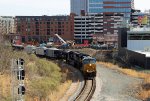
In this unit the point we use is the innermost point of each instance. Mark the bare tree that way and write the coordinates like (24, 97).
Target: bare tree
(126, 59)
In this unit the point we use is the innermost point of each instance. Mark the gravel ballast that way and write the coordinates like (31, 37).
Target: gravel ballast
(112, 85)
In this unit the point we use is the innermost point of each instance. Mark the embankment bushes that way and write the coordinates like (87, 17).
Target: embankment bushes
(42, 76)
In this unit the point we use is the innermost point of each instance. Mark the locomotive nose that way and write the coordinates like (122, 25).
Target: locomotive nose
(90, 67)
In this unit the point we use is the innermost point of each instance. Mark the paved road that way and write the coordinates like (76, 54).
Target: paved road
(113, 85)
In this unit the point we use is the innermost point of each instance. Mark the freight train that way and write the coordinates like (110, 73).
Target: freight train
(85, 63)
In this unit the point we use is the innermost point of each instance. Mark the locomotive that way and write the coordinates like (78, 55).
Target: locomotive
(85, 63)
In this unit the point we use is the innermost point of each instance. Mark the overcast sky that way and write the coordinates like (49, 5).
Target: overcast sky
(47, 7)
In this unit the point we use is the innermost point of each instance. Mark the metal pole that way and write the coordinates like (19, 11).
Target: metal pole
(12, 80)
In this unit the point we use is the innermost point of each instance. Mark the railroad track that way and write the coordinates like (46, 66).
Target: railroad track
(87, 91)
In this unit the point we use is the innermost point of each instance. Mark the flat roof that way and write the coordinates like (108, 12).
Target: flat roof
(53, 49)
(147, 54)
(138, 32)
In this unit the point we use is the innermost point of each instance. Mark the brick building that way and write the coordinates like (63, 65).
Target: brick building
(43, 28)
(111, 22)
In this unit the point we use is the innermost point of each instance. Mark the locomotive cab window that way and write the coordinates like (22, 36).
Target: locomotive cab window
(87, 61)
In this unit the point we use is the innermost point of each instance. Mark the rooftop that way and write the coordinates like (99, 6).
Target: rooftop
(147, 54)
(139, 30)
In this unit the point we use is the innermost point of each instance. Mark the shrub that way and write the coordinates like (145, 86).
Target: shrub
(42, 76)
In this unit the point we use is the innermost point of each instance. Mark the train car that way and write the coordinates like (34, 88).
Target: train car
(74, 58)
(64, 54)
(53, 53)
(17, 47)
(30, 49)
(40, 51)
(70, 58)
(79, 60)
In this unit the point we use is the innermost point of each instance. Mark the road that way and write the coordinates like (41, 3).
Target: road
(112, 85)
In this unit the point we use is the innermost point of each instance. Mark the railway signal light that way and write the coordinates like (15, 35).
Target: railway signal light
(20, 62)
(21, 74)
(21, 90)
(20, 71)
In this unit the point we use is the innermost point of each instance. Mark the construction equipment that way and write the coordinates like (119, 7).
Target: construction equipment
(64, 44)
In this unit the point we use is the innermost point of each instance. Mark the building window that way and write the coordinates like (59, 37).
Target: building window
(19, 28)
(59, 33)
(48, 33)
(28, 19)
(48, 22)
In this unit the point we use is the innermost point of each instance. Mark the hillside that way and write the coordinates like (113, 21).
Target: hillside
(43, 77)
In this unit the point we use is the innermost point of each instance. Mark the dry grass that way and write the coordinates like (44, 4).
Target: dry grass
(4, 87)
(144, 92)
(42, 76)
(145, 89)
(57, 95)
(53, 96)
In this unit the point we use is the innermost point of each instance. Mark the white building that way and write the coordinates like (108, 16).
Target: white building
(87, 26)
(97, 28)
(6, 25)
(138, 39)
(134, 46)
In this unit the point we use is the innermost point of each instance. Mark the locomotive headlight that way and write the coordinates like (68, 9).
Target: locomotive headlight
(90, 64)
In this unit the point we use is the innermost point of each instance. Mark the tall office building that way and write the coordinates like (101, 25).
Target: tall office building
(111, 6)
(78, 6)
(112, 12)
(102, 6)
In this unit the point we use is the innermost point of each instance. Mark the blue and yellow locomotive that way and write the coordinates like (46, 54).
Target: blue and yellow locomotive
(85, 63)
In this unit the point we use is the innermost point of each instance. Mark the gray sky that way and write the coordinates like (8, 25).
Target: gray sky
(46, 7)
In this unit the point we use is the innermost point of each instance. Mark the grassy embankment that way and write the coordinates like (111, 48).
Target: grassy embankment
(43, 78)
(144, 92)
